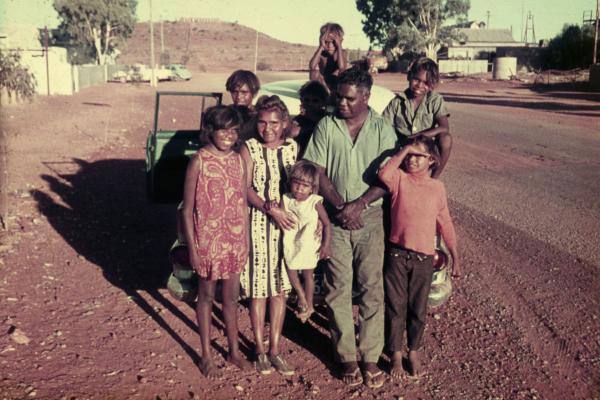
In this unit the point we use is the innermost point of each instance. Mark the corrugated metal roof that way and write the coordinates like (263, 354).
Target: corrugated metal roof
(487, 35)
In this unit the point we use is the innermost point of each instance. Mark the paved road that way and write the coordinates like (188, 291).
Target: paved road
(524, 186)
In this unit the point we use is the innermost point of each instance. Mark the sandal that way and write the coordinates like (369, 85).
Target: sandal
(374, 377)
(281, 365)
(351, 377)
(263, 365)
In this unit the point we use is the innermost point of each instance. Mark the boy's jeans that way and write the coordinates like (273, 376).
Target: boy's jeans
(407, 277)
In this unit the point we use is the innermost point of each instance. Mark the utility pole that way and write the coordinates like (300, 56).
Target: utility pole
(487, 13)
(529, 28)
(47, 62)
(162, 38)
(594, 58)
(152, 61)
(256, 52)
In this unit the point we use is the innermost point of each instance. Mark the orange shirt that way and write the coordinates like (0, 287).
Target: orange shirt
(419, 207)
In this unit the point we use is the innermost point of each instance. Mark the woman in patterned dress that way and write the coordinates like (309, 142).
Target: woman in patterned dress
(268, 161)
(215, 222)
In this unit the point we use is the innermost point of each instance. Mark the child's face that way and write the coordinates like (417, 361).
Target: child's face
(419, 160)
(418, 84)
(270, 126)
(242, 96)
(301, 189)
(312, 104)
(330, 43)
(224, 139)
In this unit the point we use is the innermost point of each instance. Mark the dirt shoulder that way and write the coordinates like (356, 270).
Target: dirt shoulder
(85, 313)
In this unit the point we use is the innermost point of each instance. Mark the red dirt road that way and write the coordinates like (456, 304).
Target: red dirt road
(85, 314)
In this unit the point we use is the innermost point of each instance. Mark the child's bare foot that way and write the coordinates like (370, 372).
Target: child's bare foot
(414, 364)
(239, 361)
(305, 315)
(397, 371)
(208, 368)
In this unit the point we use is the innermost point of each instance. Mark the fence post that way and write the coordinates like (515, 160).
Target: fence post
(3, 181)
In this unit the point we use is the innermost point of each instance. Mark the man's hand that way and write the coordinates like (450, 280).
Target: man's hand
(350, 216)
(325, 252)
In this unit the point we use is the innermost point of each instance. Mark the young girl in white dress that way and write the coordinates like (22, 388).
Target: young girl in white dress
(309, 240)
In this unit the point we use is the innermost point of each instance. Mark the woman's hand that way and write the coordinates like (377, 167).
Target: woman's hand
(283, 219)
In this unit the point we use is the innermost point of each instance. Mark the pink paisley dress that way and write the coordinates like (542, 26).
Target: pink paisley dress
(220, 216)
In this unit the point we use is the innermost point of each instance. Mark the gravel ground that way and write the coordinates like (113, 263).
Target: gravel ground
(82, 268)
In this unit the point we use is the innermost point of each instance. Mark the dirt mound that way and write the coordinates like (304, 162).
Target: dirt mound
(212, 45)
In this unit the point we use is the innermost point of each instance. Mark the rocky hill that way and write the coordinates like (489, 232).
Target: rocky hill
(213, 45)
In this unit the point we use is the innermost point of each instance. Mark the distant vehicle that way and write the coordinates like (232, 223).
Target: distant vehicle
(142, 73)
(179, 72)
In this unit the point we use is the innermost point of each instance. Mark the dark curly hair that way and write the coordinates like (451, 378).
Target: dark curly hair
(314, 88)
(242, 77)
(356, 76)
(272, 103)
(218, 117)
(427, 65)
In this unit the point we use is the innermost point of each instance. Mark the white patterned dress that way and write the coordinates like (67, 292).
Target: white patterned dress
(301, 244)
(265, 274)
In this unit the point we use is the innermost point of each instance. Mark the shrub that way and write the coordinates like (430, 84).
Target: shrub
(572, 48)
(15, 79)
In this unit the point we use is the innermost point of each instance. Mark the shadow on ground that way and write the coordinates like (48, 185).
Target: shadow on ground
(102, 212)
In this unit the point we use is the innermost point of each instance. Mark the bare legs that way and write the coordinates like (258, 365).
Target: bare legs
(258, 308)
(206, 295)
(231, 291)
(305, 294)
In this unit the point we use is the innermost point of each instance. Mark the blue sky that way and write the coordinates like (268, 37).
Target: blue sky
(298, 21)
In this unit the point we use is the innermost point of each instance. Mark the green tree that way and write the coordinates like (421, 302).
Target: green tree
(15, 79)
(97, 24)
(572, 48)
(402, 26)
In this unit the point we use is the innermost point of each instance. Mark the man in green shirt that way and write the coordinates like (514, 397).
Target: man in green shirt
(348, 148)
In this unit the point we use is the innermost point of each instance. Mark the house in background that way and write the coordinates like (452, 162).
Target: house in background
(476, 50)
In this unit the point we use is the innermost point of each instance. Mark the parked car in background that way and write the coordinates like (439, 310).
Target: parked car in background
(142, 73)
(179, 72)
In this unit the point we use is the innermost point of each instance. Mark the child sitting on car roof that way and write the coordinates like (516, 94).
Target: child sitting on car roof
(330, 59)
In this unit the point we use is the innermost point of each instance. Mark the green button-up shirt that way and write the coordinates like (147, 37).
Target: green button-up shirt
(407, 121)
(352, 167)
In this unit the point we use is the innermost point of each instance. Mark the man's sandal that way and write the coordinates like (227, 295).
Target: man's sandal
(352, 377)
(373, 376)
(374, 380)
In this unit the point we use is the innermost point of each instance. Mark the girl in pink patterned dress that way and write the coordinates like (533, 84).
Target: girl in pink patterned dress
(215, 222)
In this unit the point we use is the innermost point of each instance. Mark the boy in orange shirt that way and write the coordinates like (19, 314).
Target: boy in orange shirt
(418, 208)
